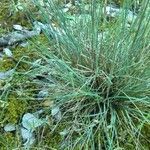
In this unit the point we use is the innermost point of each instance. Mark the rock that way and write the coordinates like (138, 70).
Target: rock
(64, 132)
(8, 52)
(131, 17)
(24, 44)
(68, 5)
(4, 75)
(30, 122)
(19, 36)
(56, 113)
(65, 9)
(28, 137)
(1, 55)
(37, 113)
(42, 94)
(26, 134)
(17, 27)
(112, 11)
(9, 127)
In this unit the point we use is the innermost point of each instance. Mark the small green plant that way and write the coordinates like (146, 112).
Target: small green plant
(102, 77)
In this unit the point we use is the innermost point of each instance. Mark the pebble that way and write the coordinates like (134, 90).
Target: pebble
(8, 52)
(9, 127)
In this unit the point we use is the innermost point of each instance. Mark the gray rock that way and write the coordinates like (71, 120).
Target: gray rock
(4, 75)
(28, 137)
(56, 113)
(31, 122)
(17, 27)
(9, 127)
(8, 52)
(42, 94)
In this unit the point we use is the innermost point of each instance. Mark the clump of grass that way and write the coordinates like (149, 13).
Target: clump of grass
(103, 84)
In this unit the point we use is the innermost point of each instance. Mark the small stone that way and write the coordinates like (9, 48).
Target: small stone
(41, 3)
(9, 127)
(56, 113)
(131, 17)
(65, 9)
(24, 44)
(18, 27)
(28, 137)
(64, 132)
(68, 5)
(42, 94)
(19, 6)
(7, 52)
(55, 110)
(26, 134)
(4, 75)
(30, 122)
(111, 11)
(1, 56)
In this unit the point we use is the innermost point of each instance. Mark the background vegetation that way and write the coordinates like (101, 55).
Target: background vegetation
(96, 70)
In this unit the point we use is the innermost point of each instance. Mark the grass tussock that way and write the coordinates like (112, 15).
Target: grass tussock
(102, 75)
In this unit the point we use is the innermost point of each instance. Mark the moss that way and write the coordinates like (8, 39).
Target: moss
(6, 139)
(22, 90)
(52, 139)
(145, 136)
(6, 64)
(11, 14)
(9, 141)
(9, 17)
(40, 41)
(24, 53)
(20, 98)
(15, 109)
(2, 31)
(4, 11)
